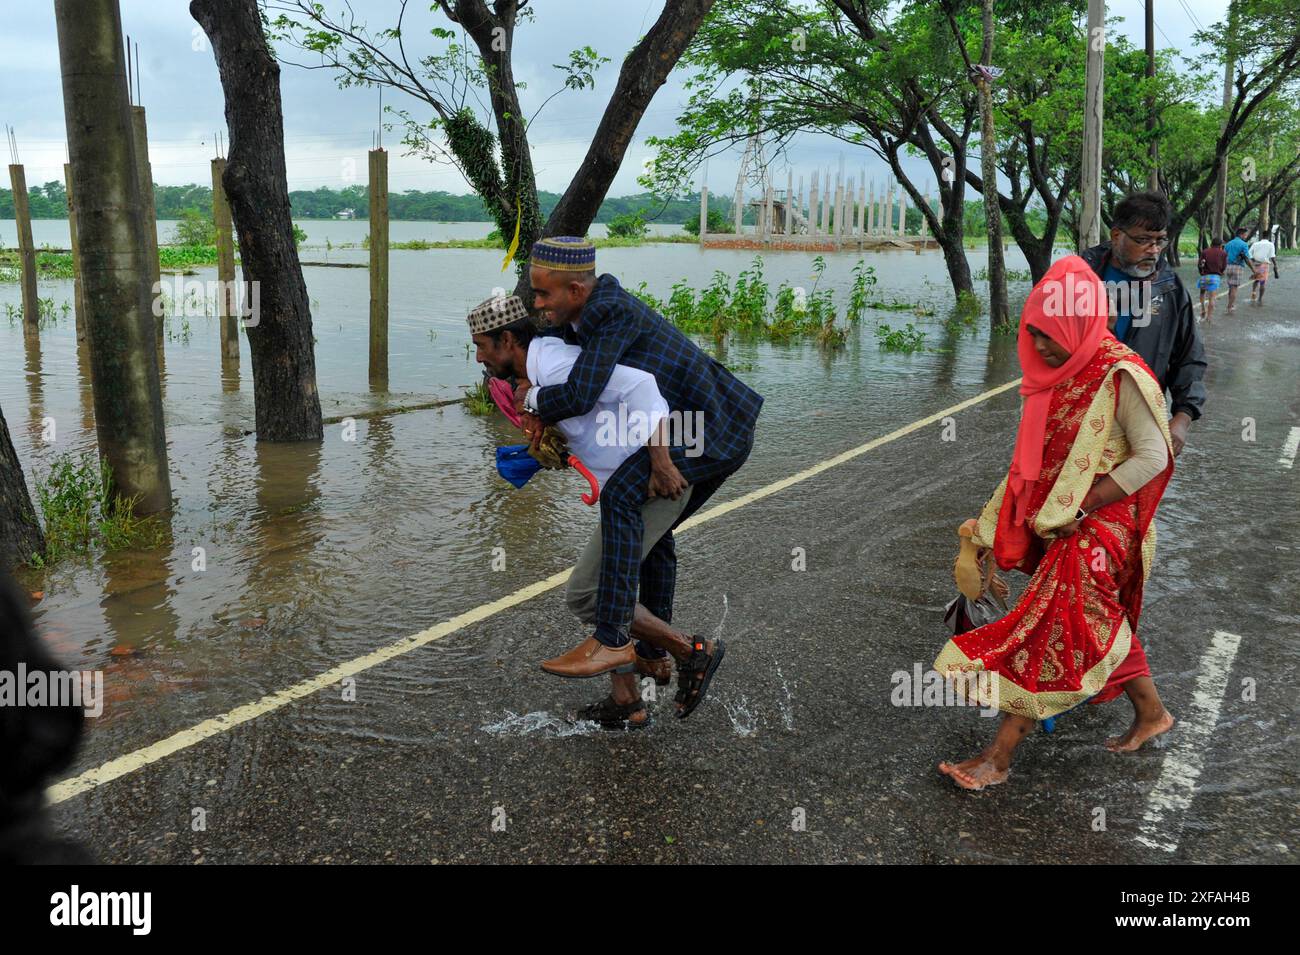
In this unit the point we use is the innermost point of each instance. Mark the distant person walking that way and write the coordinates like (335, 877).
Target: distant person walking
(1238, 261)
(1263, 256)
(1211, 264)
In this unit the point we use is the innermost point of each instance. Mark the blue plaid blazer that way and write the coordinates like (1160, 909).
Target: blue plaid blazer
(616, 327)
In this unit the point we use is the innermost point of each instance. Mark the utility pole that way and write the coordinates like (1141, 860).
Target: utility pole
(1221, 185)
(1153, 180)
(1090, 217)
(999, 312)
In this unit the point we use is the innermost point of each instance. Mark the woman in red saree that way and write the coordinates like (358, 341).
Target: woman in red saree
(1093, 456)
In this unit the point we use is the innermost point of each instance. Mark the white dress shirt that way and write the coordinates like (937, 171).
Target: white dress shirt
(625, 415)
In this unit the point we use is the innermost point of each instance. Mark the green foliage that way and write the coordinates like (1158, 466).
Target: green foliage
(747, 308)
(630, 225)
(49, 265)
(181, 257)
(968, 303)
(299, 236)
(194, 228)
(478, 400)
(907, 339)
(83, 514)
(413, 205)
(718, 222)
(1013, 275)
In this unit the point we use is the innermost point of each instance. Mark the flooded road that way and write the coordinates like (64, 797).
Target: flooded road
(319, 554)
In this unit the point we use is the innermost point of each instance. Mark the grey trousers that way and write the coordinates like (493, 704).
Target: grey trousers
(659, 566)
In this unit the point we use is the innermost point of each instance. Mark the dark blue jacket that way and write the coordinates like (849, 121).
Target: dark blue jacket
(617, 328)
(1170, 343)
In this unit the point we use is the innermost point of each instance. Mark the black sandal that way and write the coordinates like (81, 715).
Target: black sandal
(694, 675)
(614, 716)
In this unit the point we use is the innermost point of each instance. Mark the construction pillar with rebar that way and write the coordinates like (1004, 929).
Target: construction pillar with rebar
(115, 269)
(26, 247)
(78, 291)
(379, 267)
(227, 304)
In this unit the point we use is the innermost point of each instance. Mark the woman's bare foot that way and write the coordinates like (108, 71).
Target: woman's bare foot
(1140, 732)
(977, 772)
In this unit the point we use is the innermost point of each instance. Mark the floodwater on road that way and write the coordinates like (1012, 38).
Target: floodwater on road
(313, 553)
(317, 554)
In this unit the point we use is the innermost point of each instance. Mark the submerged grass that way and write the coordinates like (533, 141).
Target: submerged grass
(478, 400)
(83, 514)
(747, 307)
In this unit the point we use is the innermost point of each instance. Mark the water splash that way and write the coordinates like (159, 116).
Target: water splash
(539, 723)
(743, 718)
(787, 706)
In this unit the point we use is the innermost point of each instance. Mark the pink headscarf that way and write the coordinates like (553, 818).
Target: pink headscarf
(1070, 306)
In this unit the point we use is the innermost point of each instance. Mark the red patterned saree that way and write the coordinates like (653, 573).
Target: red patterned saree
(1072, 635)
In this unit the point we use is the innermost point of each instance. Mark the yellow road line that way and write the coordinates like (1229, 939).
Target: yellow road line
(138, 759)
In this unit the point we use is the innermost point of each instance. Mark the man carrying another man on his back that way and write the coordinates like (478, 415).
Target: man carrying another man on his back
(508, 346)
(613, 327)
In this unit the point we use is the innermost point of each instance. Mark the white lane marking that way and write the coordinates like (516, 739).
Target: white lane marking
(1191, 738)
(138, 759)
(1290, 448)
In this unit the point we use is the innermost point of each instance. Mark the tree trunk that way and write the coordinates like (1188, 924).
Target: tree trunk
(115, 270)
(1037, 251)
(644, 71)
(279, 326)
(1176, 226)
(20, 531)
(999, 312)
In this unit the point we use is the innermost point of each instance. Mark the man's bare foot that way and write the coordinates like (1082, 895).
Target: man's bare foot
(976, 773)
(1140, 732)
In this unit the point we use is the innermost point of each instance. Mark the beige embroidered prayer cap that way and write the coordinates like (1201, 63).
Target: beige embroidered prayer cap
(496, 313)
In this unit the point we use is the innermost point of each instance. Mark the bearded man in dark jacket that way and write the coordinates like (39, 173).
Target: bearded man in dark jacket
(1151, 308)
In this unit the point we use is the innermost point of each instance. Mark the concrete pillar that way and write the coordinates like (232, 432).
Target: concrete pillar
(227, 305)
(148, 214)
(789, 201)
(379, 267)
(739, 211)
(837, 213)
(704, 211)
(862, 207)
(814, 207)
(115, 268)
(902, 211)
(871, 209)
(26, 250)
(78, 293)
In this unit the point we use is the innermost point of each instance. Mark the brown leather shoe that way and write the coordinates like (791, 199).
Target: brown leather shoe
(592, 658)
(661, 668)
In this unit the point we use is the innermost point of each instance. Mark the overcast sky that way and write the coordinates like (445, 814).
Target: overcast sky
(326, 126)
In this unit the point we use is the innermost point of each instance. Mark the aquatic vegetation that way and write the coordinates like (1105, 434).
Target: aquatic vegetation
(1013, 275)
(968, 303)
(49, 265)
(185, 256)
(478, 400)
(907, 339)
(747, 307)
(82, 514)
